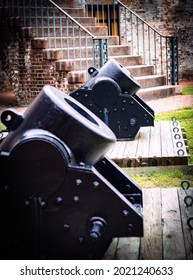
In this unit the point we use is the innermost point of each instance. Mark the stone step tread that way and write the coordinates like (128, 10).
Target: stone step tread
(84, 21)
(158, 92)
(112, 40)
(99, 31)
(150, 77)
(138, 66)
(127, 67)
(86, 47)
(124, 56)
(157, 88)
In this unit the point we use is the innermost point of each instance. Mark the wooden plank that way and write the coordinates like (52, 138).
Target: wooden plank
(167, 144)
(154, 155)
(128, 248)
(117, 152)
(152, 146)
(173, 242)
(129, 159)
(151, 243)
(186, 212)
(111, 251)
(143, 146)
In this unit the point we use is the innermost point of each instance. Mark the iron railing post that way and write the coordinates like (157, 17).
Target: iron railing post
(100, 51)
(174, 60)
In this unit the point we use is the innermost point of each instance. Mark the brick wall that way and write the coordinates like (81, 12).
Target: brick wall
(25, 67)
(171, 17)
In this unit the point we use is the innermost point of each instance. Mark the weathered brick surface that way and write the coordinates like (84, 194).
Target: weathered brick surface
(28, 67)
(24, 67)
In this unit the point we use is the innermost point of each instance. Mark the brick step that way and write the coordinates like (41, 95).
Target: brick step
(75, 12)
(158, 92)
(141, 70)
(30, 2)
(151, 81)
(128, 60)
(81, 76)
(20, 11)
(64, 21)
(83, 52)
(71, 64)
(76, 31)
(76, 41)
(66, 3)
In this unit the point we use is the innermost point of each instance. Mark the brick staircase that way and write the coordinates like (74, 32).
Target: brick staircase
(152, 86)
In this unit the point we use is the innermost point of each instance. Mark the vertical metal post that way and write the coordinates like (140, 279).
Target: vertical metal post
(74, 44)
(174, 60)
(161, 55)
(48, 19)
(67, 37)
(86, 50)
(54, 25)
(42, 18)
(100, 51)
(29, 7)
(137, 22)
(24, 15)
(61, 35)
(132, 43)
(36, 18)
(80, 49)
(149, 44)
(155, 52)
(167, 67)
(143, 38)
(109, 19)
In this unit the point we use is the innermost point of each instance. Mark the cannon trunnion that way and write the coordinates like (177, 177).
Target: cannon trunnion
(60, 196)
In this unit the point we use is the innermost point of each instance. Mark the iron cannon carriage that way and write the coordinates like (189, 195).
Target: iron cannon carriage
(60, 196)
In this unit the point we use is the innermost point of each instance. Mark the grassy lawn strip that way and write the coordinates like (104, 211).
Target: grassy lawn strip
(187, 90)
(166, 179)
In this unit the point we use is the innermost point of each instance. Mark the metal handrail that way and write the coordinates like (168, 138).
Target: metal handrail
(168, 59)
(75, 42)
(99, 43)
(144, 40)
(72, 19)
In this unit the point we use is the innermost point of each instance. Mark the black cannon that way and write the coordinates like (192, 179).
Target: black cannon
(110, 94)
(60, 197)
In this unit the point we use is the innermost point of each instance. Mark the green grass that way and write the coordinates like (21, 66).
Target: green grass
(1, 126)
(166, 179)
(187, 90)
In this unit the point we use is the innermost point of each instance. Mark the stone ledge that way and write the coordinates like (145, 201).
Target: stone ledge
(77, 77)
(64, 65)
(51, 54)
(39, 43)
(27, 32)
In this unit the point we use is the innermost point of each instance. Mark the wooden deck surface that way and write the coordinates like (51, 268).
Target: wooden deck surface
(166, 233)
(161, 145)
